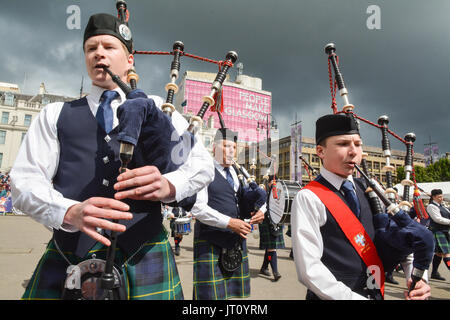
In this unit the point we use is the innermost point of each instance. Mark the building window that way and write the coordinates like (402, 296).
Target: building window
(9, 99)
(27, 120)
(5, 117)
(2, 136)
(45, 101)
(23, 136)
(1, 159)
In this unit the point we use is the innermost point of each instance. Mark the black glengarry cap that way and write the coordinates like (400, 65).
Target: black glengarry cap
(103, 23)
(335, 125)
(225, 134)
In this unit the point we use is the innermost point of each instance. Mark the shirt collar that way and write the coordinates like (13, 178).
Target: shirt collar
(96, 94)
(437, 204)
(218, 166)
(334, 179)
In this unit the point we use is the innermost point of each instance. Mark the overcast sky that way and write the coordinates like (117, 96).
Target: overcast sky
(395, 61)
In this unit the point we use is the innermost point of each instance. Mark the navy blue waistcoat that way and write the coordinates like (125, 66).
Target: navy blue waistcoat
(88, 166)
(224, 199)
(434, 226)
(339, 256)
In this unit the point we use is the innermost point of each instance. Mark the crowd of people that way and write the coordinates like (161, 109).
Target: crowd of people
(66, 176)
(5, 194)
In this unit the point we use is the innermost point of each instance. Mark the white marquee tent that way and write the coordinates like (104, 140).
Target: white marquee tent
(427, 187)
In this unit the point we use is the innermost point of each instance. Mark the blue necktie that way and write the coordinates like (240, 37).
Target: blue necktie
(229, 177)
(105, 113)
(350, 197)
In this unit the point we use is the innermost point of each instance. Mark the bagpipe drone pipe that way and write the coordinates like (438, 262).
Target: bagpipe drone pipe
(396, 234)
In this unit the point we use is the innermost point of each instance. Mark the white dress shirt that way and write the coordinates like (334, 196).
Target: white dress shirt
(207, 215)
(308, 214)
(435, 213)
(38, 157)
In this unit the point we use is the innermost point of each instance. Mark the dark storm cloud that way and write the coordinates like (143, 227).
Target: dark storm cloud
(401, 70)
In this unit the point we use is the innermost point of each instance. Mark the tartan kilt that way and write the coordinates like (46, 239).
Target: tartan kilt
(267, 240)
(442, 242)
(209, 281)
(150, 275)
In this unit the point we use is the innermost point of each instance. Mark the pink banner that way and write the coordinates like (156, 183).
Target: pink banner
(243, 109)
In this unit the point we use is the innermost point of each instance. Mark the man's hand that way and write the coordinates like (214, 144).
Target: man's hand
(257, 217)
(144, 183)
(240, 227)
(421, 291)
(93, 212)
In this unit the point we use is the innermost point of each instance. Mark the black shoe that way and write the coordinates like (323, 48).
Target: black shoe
(177, 251)
(390, 278)
(264, 272)
(437, 276)
(276, 276)
(291, 255)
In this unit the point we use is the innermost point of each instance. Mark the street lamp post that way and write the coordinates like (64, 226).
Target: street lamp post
(268, 126)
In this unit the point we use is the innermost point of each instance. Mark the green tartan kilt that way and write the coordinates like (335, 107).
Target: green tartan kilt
(150, 275)
(442, 242)
(209, 281)
(267, 240)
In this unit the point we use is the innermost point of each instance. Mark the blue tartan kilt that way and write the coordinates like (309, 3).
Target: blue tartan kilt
(151, 274)
(442, 242)
(267, 240)
(209, 281)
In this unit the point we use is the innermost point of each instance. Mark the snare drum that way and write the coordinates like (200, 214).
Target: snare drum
(182, 225)
(280, 200)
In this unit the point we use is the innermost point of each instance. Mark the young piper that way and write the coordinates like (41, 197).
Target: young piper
(327, 261)
(439, 225)
(219, 228)
(65, 178)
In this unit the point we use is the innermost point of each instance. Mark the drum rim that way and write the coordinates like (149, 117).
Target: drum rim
(282, 216)
(183, 220)
(285, 185)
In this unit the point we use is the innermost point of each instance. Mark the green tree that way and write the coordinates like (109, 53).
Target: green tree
(400, 174)
(438, 171)
(422, 174)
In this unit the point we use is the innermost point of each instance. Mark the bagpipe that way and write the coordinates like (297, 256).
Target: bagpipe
(309, 169)
(252, 199)
(396, 234)
(254, 196)
(146, 136)
(280, 193)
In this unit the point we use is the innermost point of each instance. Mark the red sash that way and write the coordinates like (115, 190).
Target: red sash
(351, 226)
